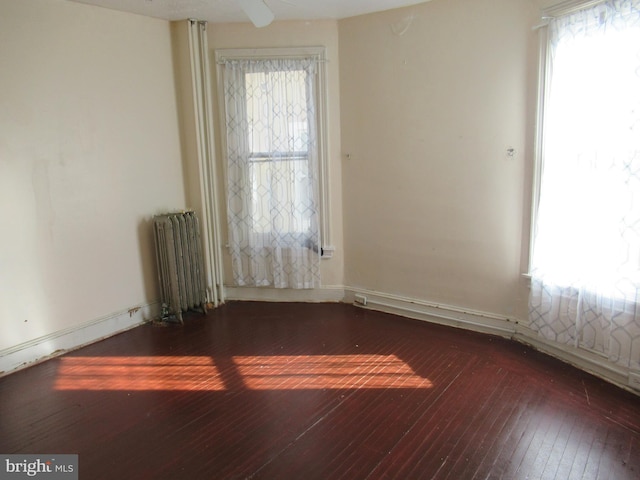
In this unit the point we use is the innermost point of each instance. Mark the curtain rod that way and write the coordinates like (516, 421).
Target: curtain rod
(564, 8)
(568, 6)
(223, 60)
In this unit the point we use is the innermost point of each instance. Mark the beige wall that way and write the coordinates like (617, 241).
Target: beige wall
(296, 34)
(434, 209)
(89, 150)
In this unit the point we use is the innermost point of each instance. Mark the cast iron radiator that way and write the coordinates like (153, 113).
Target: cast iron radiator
(180, 264)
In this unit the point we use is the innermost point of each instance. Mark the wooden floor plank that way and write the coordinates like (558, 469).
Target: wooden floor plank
(319, 391)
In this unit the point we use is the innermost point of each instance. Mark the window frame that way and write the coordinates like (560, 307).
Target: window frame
(318, 54)
(544, 67)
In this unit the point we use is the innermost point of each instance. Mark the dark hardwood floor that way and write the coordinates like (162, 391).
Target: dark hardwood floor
(319, 391)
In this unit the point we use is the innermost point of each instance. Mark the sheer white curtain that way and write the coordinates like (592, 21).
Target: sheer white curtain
(272, 165)
(586, 263)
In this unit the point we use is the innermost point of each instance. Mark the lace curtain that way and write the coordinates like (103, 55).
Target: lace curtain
(272, 158)
(586, 263)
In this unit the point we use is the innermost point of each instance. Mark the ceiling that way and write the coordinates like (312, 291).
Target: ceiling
(223, 11)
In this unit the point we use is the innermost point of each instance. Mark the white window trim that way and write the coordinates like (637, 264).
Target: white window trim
(538, 152)
(319, 54)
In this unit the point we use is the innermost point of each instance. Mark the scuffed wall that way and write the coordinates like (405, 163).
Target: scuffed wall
(89, 150)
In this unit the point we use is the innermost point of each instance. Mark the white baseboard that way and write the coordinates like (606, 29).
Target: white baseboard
(582, 359)
(434, 312)
(58, 343)
(494, 324)
(328, 293)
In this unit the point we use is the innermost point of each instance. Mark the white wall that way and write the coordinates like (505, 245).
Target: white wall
(434, 209)
(295, 34)
(89, 150)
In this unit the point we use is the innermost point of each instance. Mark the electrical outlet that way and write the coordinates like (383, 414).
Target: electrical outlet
(634, 380)
(360, 299)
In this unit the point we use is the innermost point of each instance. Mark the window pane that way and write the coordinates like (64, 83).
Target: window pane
(589, 207)
(277, 111)
(281, 196)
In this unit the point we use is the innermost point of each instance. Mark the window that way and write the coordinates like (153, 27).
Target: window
(586, 250)
(280, 146)
(274, 145)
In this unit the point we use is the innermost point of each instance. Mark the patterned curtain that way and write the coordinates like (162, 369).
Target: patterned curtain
(272, 184)
(586, 263)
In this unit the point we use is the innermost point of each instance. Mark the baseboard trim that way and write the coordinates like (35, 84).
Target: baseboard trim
(493, 324)
(442, 314)
(327, 293)
(63, 341)
(60, 342)
(584, 360)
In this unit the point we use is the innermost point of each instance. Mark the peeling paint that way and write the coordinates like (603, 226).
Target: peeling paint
(133, 311)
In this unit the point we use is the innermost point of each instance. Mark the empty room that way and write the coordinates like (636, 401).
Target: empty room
(320, 239)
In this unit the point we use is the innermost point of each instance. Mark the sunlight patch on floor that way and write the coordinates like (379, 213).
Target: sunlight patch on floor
(366, 371)
(138, 373)
(262, 372)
